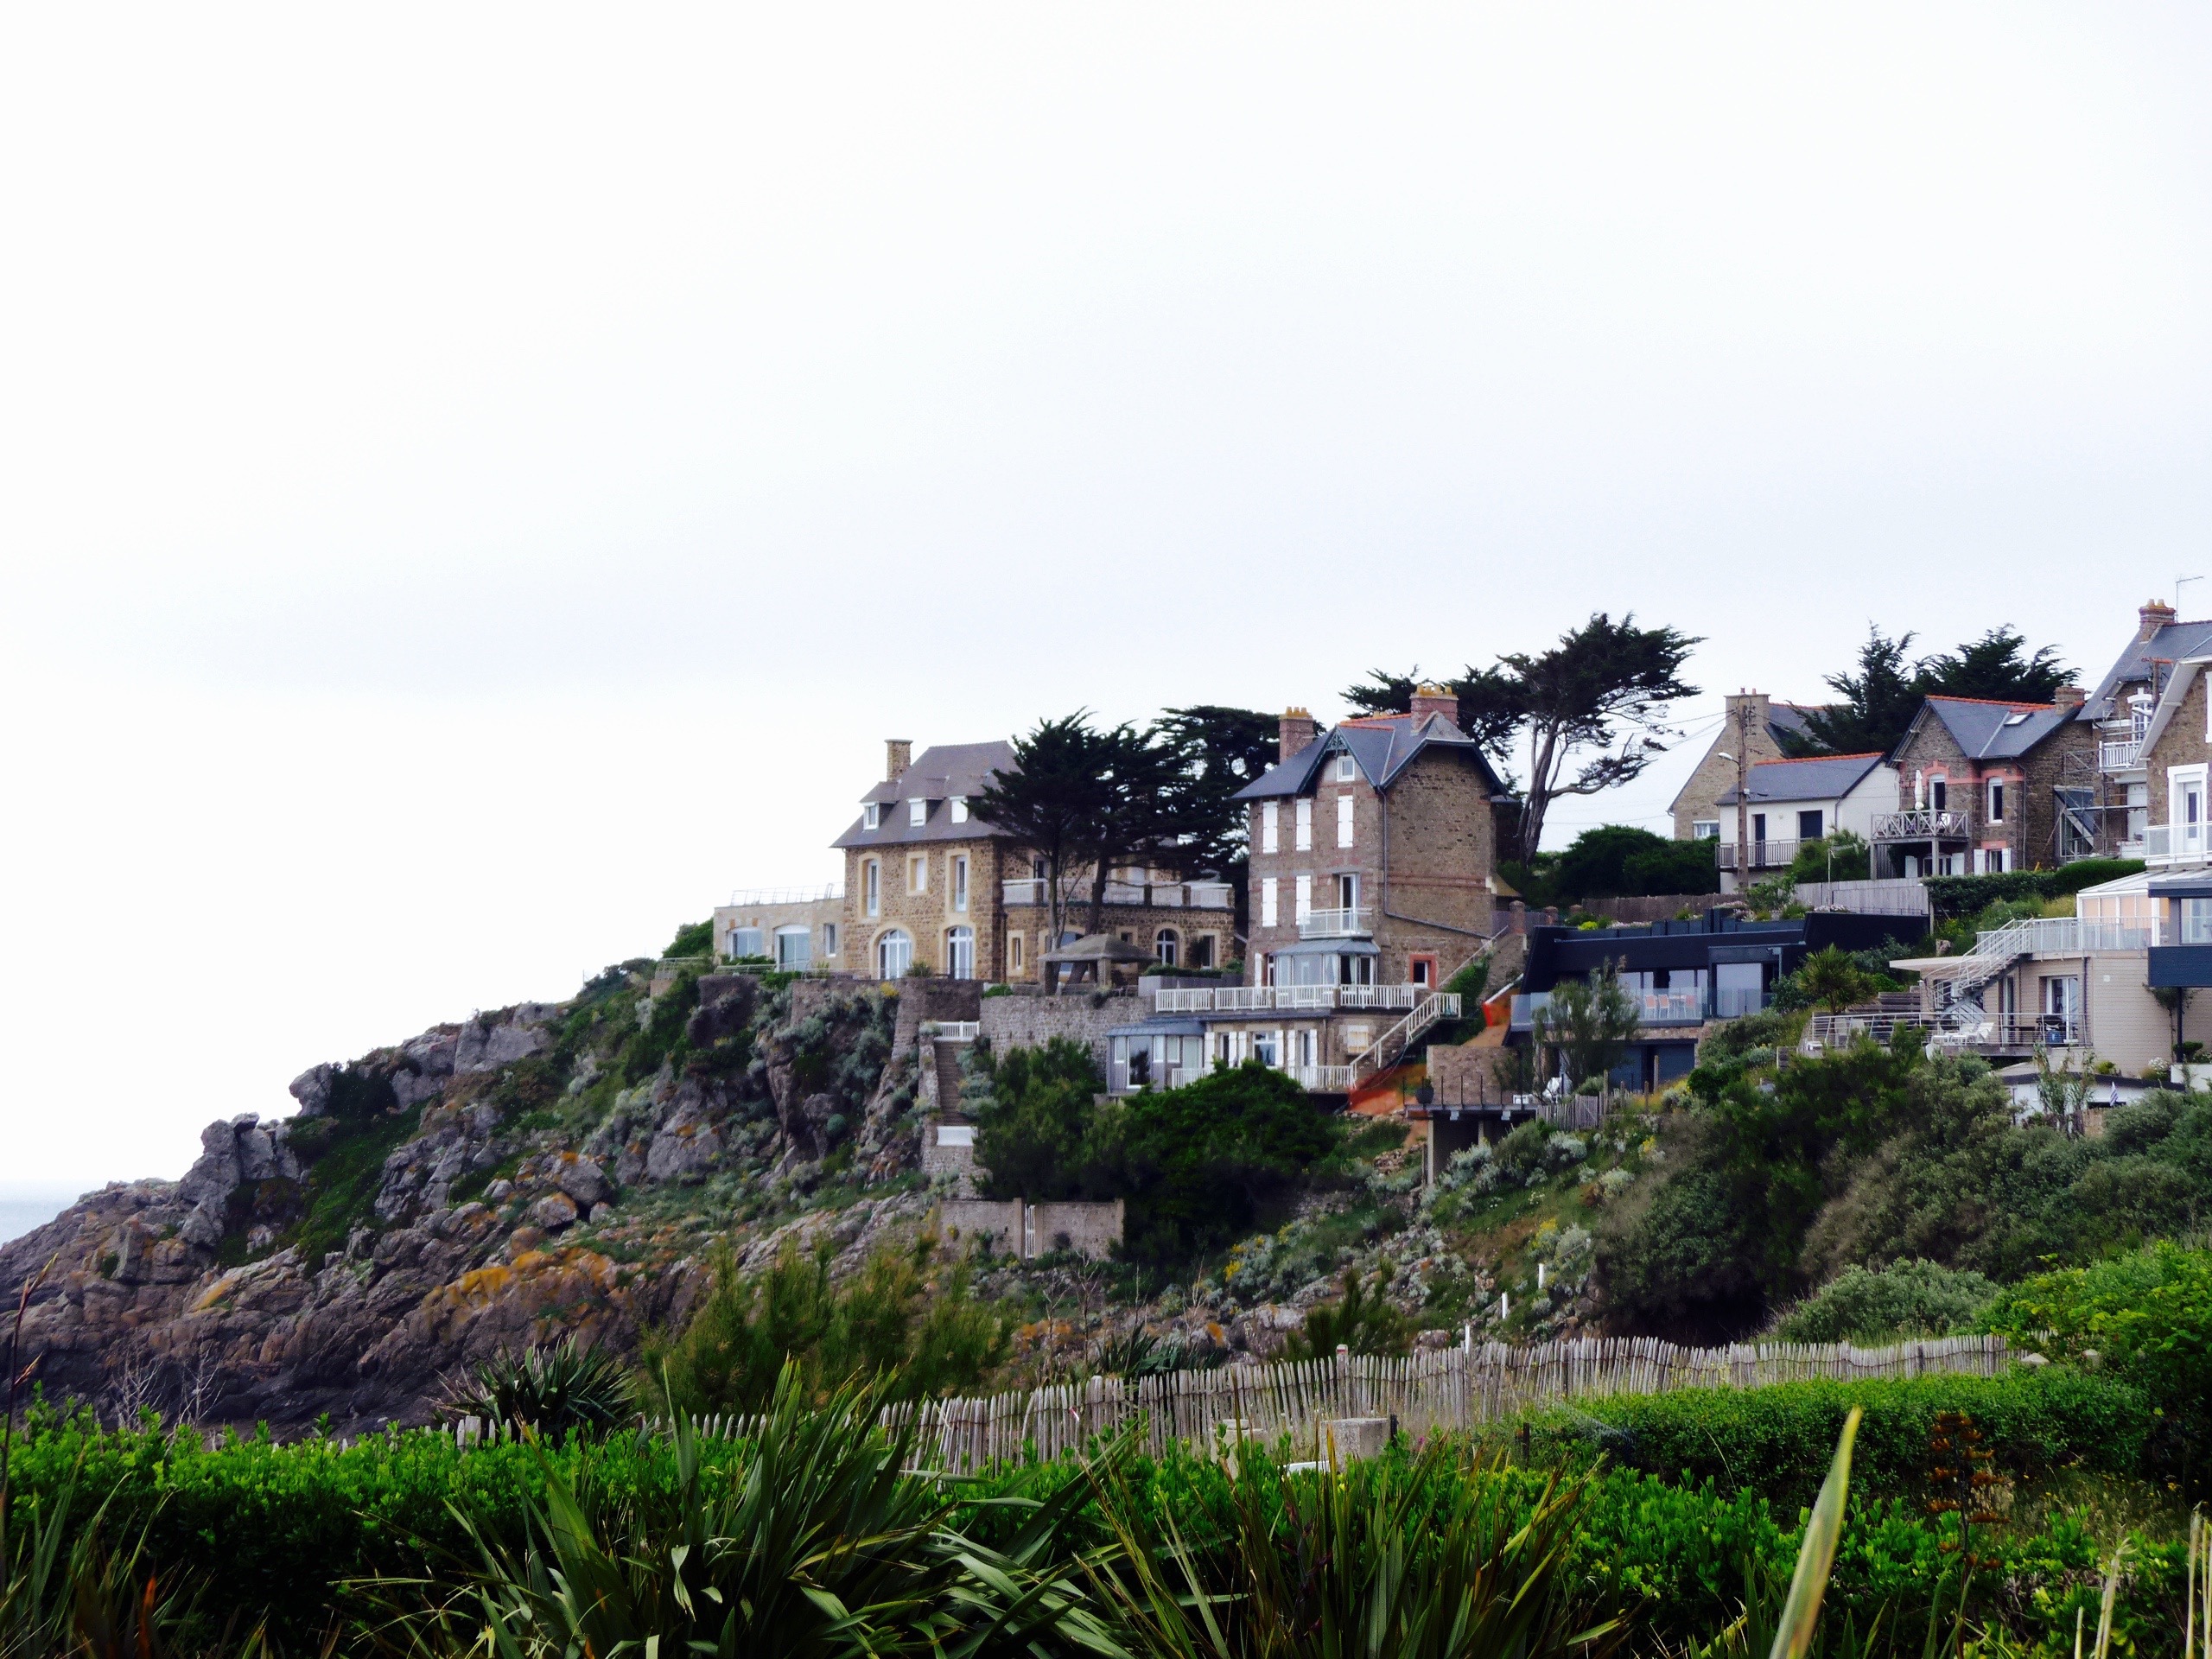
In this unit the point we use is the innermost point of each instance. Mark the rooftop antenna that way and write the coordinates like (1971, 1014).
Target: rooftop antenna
(2181, 582)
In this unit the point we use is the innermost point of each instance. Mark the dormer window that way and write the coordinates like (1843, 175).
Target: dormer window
(1345, 768)
(875, 810)
(959, 805)
(918, 811)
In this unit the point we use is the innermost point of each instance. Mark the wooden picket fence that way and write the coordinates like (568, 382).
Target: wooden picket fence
(1462, 1388)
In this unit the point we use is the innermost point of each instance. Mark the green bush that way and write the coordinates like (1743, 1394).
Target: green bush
(1780, 1439)
(1037, 1128)
(693, 939)
(1892, 1304)
(1965, 895)
(1362, 1321)
(556, 1390)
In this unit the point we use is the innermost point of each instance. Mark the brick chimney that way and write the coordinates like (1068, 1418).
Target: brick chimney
(1430, 699)
(2153, 615)
(1296, 731)
(898, 755)
(2069, 696)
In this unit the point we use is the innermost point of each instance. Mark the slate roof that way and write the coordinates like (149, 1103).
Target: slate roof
(1382, 745)
(1826, 778)
(936, 774)
(1787, 719)
(1995, 731)
(2173, 643)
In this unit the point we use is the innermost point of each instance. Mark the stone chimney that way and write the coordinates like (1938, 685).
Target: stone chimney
(2069, 696)
(1297, 730)
(1430, 699)
(1761, 706)
(898, 755)
(2153, 615)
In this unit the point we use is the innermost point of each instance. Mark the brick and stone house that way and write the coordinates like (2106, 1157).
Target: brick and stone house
(1789, 803)
(800, 930)
(1696, 808)
(1374, 849)
(927, 881)
(2152, 673)
(1980, 788)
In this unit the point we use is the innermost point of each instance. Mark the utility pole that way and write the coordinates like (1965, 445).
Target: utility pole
(1743, 791)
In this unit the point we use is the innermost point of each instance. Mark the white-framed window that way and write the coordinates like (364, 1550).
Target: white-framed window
(1345, 768)
(1305, 810)
(1268, 912)
(1304, 896)
(794, 948)
(960, 952)
(960, 887)
(959, 805)
(2197, 921)
(1165, 945)
(917, 872)
(828, 939)
(746, 941)
(1348, 890)
(2186, 810)
(1939, 793)
(1267, 1047)
(874, 813)
(872, 888)
(894, 955)
(1996, 814)
(1344, 820)
(918, 811)
(1705, 828)
(1012, 955)
(1270, 826)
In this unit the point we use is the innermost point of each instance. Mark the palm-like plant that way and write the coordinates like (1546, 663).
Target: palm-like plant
(554, 1390)
(817, 1541)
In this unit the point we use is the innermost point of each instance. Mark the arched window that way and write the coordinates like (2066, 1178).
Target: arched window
(894, 955)
(960, 952)
(1164, 944)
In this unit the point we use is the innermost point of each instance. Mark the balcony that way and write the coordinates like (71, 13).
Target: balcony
(1336, 924)
(1320, 999)
(748, 897)
(2124, 754)
(1765, 856)
(1157, 895)
(2170, 844)
(1659, 1008)
(1922, 824)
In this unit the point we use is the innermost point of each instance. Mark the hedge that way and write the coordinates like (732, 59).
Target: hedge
(1779, 1438)
(1965, 895)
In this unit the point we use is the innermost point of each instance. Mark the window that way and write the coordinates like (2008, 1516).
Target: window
(1268, 918)
(874, 812)
(960, 952)
(745, 942)
(1421, 970)
(1305, 825)
(1164, 945)
(959, 805)
(871, 886)
(828, 939)
(917, 872)
(1996, 800)
(794, 949)
(960, 885)
(1344, 769)
(1348, 892)
(1344, 820)
(1304, 896)
(918, 811)
(2197, 921)
(1271, 826)
(1267, 1047)
(1202, 951)
(1939, 794)
(1808, 826)
(894, 955)
(1758, 829)
(2186, 810)
(1705, 830)
(1012, 955)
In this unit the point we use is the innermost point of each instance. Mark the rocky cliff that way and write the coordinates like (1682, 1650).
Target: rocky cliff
(542, 1169)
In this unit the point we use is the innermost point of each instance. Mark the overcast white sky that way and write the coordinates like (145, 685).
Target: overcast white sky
(479, 484)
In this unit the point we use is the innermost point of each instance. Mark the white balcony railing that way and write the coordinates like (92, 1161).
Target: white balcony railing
(1922, 824)
(1158, 896)
(1259, 999)
(2123, 755)
(746, 898)
(2169, 843)
(1335, 923)
(1764, 855)
(1321, 1080)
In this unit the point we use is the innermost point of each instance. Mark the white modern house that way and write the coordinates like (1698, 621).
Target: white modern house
(1788, 802)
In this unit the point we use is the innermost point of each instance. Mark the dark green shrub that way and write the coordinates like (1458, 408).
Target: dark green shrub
(1037, 1128)
(1903, 1300)
(1362, 1320)
(693, 939)
(557, 1390)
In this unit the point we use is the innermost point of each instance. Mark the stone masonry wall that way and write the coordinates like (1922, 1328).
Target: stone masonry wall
(2030, 828)
(1033, 1021)
(2182, 744)
(1699, 799)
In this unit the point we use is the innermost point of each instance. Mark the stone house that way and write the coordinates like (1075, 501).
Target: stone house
(927, 881)
(1980, 788)
(1696, 806)
(2129, 791)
